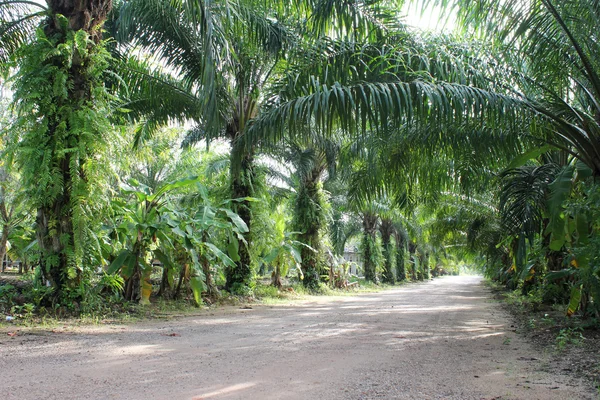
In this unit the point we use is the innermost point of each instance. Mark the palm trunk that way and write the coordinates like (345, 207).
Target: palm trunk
(240, 277)
(55, 235)
(369, 243)
(6, 217)
(309, 219)
(55, 227)
(3, 242)
(426, 268)
(386, 229)
(412, 248)
(400, 251)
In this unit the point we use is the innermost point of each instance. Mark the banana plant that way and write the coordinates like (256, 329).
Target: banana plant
(142, 225)
(286, 253)
(198, 233)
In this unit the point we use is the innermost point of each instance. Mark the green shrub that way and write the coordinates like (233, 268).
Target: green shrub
(553, 293)
(261, 291)
(7, 297)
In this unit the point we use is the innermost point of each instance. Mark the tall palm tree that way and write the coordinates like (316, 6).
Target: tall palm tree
(63, 110)
(370, 250)
(386, 229)
(401, 239)
(224, 55)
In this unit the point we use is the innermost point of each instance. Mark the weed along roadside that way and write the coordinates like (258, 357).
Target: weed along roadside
(572, 343)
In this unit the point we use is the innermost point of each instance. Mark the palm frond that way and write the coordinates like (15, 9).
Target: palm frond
(18, 22)
(523, 198)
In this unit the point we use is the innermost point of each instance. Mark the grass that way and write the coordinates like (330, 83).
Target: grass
(569, 336)
(263, 291)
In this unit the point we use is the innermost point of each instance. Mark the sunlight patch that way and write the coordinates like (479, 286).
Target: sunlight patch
(226, 390)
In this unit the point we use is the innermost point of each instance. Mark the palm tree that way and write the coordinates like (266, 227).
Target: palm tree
(313, 160)
(370, 248)
(344, 224)
(224, 64)
(13, 209)
(386, 229)
(63, 110)
(226, 56)
(401, 239)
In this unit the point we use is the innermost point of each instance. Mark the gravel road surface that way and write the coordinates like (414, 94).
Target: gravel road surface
(444, 339)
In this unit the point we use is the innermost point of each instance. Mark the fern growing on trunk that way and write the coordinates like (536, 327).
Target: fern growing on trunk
(63, 109)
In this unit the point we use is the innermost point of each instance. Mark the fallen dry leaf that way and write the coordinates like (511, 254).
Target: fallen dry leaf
(11, 334)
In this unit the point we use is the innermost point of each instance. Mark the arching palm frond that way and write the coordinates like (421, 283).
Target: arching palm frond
(467, 223)
(523, 198)
(18, 22)
(151, 96)
(357, 19)
(207, 49)
(363, 88)
(547, 47)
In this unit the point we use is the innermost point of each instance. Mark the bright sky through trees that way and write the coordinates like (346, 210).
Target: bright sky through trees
(428, 20)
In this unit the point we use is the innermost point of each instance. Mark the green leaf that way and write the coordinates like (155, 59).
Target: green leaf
(583, 171)
(179, 232)
(272, 255)
(237, 221)
(81, 41)
(220, 255)
(30, 246)
(242, 199)
(174, 185)
(294, 252)
(197, 285)
(233, 250)
(534, 153)
(559, 191)
(582, 228)
(118, 262)
(574, 302)
(163, 258)
(128, 266)
(556, 275)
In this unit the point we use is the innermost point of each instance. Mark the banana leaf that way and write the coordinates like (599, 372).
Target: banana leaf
(574, 302)
(197, 285)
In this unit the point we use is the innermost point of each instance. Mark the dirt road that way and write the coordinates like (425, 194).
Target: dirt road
(444, 339)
